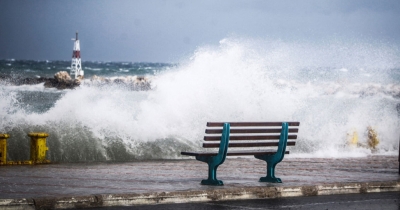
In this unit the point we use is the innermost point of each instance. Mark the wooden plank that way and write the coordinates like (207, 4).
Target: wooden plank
(200, 153)
(253, 152)
(246, 138)
(255, 130)
(248, 144)
(253, 124)
(233, 153)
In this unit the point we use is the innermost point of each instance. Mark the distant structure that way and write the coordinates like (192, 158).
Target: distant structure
(76, 65)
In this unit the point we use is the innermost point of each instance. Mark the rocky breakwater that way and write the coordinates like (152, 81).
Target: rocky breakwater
(136, 83)
(18, 80)
(62, 80)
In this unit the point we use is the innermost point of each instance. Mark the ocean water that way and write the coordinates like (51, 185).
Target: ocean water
(333, 88)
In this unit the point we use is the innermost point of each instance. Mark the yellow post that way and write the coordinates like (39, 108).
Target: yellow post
(373, 139)
(3, 148)
(38, 147)
(352, 139)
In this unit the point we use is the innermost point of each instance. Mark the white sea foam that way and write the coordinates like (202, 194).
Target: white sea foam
(92, 69)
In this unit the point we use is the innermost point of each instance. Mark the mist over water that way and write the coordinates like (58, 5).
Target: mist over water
(332, 88)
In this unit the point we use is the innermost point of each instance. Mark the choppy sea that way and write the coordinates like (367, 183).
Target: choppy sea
(334, 89)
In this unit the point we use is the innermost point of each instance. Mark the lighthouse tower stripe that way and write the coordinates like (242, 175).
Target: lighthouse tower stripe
(76, 54)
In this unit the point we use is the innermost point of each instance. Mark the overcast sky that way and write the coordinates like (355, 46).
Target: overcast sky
(167, 30)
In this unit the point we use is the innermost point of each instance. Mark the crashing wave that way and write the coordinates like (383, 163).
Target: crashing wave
(335, 88)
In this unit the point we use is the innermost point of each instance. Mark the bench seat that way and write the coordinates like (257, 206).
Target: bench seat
(246, 139)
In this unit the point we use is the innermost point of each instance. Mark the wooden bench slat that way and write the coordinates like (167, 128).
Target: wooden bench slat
(233, 153)
(254, 152)
(255, 130)
(243, 124)
(248, 144)
(258, 137)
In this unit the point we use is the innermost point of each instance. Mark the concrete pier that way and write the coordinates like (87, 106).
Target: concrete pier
(60, 186)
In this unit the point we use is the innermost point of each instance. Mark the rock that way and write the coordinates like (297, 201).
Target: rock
(119, 81)
(62, 80)
(77, 82)
(137, 83)
(62, 76)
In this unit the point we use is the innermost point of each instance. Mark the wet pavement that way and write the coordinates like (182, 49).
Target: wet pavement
(370, 201)
(155, 178)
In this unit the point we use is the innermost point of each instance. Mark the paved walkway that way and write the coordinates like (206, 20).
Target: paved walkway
(165, 181)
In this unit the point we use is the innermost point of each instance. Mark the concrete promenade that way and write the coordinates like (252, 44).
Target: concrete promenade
(58, 186)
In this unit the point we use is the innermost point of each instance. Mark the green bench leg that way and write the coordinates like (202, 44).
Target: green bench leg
(214, 161)
(270, 173)
(212, 171)
(273, 160)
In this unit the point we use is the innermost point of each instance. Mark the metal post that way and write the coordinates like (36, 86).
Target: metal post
(38, 147)
(3, 148)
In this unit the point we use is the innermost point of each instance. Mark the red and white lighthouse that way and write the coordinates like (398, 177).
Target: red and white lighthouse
(76, 65)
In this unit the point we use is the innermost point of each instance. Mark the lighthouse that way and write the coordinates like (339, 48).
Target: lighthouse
(76, 65)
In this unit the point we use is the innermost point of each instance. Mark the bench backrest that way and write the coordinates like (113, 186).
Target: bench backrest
(250, 134)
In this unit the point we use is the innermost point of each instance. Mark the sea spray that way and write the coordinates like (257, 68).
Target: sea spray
(331, 88)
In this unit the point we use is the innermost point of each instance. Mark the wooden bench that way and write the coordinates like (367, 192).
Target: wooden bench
(259, 136)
